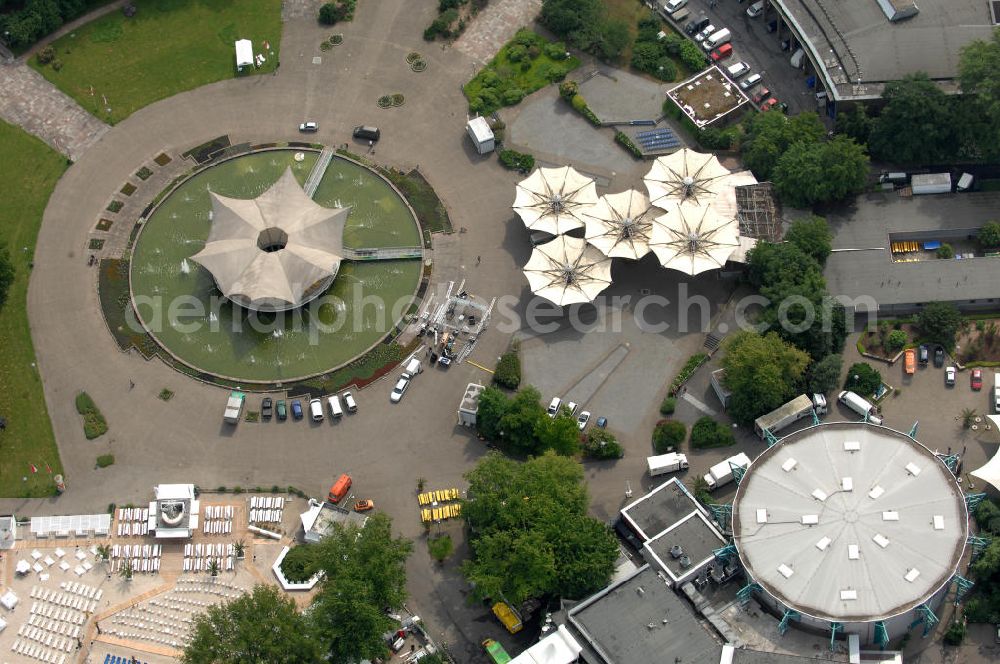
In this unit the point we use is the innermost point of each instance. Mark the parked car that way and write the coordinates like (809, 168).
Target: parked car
(671, 6)
(266, 408)
(602, 422)
(910, 361)
(553, 408)
(705, 32)
(756, 9)
(316, 410)
(352, 406)
(977, 379)
(364, 505)
(571, 407)
(737, 70)
(367, 133)
(949, 375)
(581, 422)
(721, 53)
(697, 25)
(761, 95)
(297, 409)
(923, 353)
(939, 356)
(768, 104)
(750, 81)
(282, 411)
(309, 127)
(400, 388)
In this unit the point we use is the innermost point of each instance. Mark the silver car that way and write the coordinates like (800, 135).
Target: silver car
(581, 422)
(400, 388)
(703, 35)
(737, 70)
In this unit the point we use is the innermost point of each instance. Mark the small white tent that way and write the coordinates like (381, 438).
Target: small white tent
(244, 54)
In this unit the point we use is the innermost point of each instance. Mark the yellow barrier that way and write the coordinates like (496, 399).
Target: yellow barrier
(425, 515)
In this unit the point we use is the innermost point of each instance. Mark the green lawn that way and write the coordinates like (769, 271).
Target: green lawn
(29, 170)
(169, 46)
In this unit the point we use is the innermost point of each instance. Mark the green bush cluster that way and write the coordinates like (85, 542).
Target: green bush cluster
(601, 444)
(523, 65)
(667, 435)
(334, 12)
(688, 370)
(653, 55)
(508, 371)
(586, 25)
(863, 379)
(692, 56)
(895, 340)
(94, 424)
(442, 26)
(516, 161)
(706, 433)
(622, 139)
(668, 406)
(440, 547)
(579, 105)
(298, 565)
(105, 460)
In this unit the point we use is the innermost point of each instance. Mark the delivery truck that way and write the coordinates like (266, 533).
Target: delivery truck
(666, 463)
(506, 614)
(722, 473)
(859, 405)
(793, 411)
(234, 407)
(496, 652)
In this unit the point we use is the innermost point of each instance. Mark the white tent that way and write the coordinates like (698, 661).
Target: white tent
(693, 239)
(725, 200)
(685, 175)
(22, 567)
(9, 600)
(620, 224)
(567, 270)
(990, 473)
(551, 199)
(244, 53)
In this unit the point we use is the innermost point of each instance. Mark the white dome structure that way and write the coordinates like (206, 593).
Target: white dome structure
(274, 252)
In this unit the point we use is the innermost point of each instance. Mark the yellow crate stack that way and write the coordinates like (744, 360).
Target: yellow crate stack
(433, 510)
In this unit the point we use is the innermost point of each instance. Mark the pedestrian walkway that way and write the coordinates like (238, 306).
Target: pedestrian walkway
(38, 107)
(495, 25)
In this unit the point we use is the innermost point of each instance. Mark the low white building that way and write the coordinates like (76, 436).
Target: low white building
(175, 513)
(244, 54)
(470, 405)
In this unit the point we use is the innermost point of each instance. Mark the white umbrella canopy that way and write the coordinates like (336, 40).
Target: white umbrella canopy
(550, 199)
(620, 224)
(693, 238)
(567, 270)
(685, 175)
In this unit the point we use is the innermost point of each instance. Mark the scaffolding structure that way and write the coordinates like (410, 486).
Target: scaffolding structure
(881, 635)
(757, 212)
(723, 515)
(788, 616)
(962, 588)
(926, 617)
(450, 321)
(978, 544)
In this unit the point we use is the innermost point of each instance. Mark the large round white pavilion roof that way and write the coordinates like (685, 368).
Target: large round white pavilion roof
(850, 522)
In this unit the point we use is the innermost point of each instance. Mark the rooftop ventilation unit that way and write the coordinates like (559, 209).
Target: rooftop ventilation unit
(853, 552)
(819, 495)
(810, 519)
(876, 492)
(785, 570)
(913, 469)
(789, 465)
(847, 484)
(890, 516)
(848, 594)
(852, 446)
(762, 516)
(676, 551)
(881, 540)
(685, 562)
(823, 543)
(912, 574)
(938, 522)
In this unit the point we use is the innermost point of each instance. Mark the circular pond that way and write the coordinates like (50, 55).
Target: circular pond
(180, 304)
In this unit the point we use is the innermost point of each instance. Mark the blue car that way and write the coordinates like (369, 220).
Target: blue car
(297, 409)
(602, 422)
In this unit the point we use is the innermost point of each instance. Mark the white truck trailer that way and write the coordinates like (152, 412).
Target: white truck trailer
(666, 463)
(793, 411)
(996, 391)
(234, 407)
(722, 473)
(859, 405)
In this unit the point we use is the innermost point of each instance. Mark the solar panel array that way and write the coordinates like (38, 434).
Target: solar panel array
(657, 139)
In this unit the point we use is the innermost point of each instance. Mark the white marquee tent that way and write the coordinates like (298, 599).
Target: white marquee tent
(551, 199)
(693, 239)
(244, 53)
(990, 473)
(567, 270)
(620, 224)
(686, 175)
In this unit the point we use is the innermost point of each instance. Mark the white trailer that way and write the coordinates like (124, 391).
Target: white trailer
(666, 463)
(931, 183)
(859, 405)
(481, 134)
(778, 419)
(722, 473)
(234, 406)
(996, 391)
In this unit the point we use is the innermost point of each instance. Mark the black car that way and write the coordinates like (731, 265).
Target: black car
(939, 356)
(923, 354)
(266, 408)
(697, 25)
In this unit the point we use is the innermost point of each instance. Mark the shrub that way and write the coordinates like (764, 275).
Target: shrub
(516, 53)
(508, 371)
(440, 547)
(692, 56)
(94, 424)
(568, 90)
(717, 139)
(512, 96)
(668, 406)
(46, 55)
(665, 69)
(955, 634)
(105, 460)
(706, 432)
(516, 160)
(332, 12)
(668, 434)
(297, 565)
(688, 370)
(579, 105)
(894, 341)
(601, 444)
(863, 379)
(623, 140)
(556, 50)
(945, 251)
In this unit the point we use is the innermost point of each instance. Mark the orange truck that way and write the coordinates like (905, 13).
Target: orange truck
(910, 361)
(340, 488)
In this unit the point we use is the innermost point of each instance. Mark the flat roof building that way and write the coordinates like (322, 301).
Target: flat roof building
(319, 519)
(684, 549)
(659, 509)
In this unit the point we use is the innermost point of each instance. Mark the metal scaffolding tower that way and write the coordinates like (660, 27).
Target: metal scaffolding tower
(978, 544)
(913, 430)
(723, 515)
(881, 635)
(815, 417)
(950, 460)
(972, 500)
(962, 588)
(738, 472)
(790, 615)
(725, 553)
(834, 628)
(746, 592)
(925, 616)
(771, 440)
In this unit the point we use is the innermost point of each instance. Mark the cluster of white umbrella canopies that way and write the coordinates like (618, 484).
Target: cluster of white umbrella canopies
(688, 220)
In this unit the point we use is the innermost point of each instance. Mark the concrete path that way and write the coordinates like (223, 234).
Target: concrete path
(38, 107)
(495, 25)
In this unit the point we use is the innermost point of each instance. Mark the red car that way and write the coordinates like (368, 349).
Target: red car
(761, 96)
(977, 379)
(769, 104)
(722, 52)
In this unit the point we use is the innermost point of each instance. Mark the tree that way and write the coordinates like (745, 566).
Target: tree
(668, 434)
(508, 371)
(646, 56)
(863, 379)
(568, 90)
(762, 372)
(811, 173)
(493, 405)
(706, 433)
(945, 251)
(769, 135)
(988, 238)
(440, 547)
(7, 273)
(364, 572)
(529, 532)
(601, 444)
(895, 340)
(979, 72)
(520, 424)
(824, 375)
(558, 433)
(812, 235)
(968, 417)
(260, 626)
(940, 321)
(577, 20)
(916, 126)
(855, 123)
(298, 565)
(614, 39)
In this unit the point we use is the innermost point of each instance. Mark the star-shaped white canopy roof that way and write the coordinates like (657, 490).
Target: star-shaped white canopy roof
(620, 224)
(685, 175)
(567, 270)
(693, 238)
(551, 199)
(276, 251)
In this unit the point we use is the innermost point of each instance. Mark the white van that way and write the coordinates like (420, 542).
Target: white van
(859, 405)
(352, 406)
(334, 402)
(797, 57)
(671, 6)
(413, 367)
(718, 39)
(316, 410)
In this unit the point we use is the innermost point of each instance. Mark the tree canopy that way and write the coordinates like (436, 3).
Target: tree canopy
(261, 626)
(988, 238)
(521, 425)
(769, 135)
(7, 274)
(530, 534)
(763, 372)
(812, 235)
(824, 375)
(939, 321)
(979, 72)
(917, 125)
(863, 379)
(821, 172)
(585, 25)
